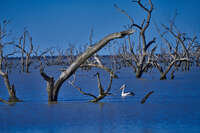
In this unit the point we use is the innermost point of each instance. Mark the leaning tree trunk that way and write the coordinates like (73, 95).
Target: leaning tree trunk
(54, 87)
(11, 88)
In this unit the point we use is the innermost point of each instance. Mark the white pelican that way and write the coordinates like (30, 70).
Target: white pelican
(124, 94)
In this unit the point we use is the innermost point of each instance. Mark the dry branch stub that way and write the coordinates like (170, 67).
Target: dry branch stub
(146, 97)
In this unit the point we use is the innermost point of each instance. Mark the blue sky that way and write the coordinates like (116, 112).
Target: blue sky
(59, 22)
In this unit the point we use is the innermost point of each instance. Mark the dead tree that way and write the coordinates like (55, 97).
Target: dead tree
(181, 38)
(11, 88)
(22, 45)
(3, 44)
(197, 55)
(53, 86)
(139, 61)
(3, 41)
(25, 51)
(173, 57)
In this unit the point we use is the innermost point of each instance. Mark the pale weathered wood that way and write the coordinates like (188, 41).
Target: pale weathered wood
(83, 57)
(11, 88)
(3, 58)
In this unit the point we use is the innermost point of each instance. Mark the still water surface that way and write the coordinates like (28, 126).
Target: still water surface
(173, 107)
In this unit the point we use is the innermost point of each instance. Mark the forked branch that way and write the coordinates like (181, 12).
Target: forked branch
(102, 93)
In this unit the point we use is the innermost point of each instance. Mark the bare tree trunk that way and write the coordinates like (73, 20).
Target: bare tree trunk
(55, 87)
(11, 88)
(25, 64)
(139, 72)
(3, 58)
(22, 51)
(50, 85)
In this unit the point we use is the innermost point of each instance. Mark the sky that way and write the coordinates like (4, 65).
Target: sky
(56, 23)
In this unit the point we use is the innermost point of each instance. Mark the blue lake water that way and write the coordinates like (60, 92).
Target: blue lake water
(172, 108)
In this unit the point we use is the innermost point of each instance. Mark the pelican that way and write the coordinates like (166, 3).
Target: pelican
(124, 94)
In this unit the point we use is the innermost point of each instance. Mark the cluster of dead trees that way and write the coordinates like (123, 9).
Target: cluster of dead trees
(178, 50)
(54, 85)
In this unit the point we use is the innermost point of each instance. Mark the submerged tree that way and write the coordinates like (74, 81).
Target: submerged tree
(197, 55)
(26, 51)
(139, 61)
(3, 61)
(179, 50)
(53, 86)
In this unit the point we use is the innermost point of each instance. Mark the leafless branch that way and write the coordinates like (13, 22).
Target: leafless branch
(54, 88)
